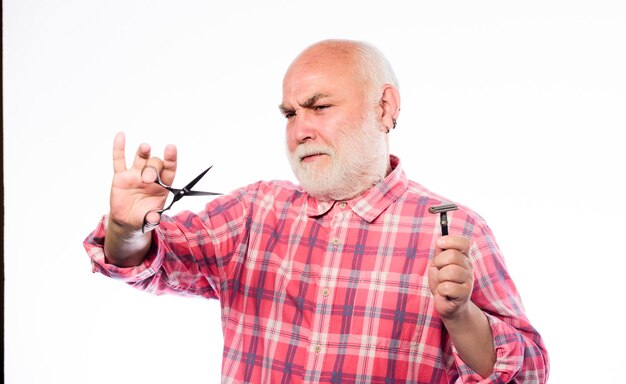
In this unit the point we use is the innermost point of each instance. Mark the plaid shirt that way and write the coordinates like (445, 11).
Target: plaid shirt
(337, 292)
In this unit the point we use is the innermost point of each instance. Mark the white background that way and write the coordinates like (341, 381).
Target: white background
(516, 109)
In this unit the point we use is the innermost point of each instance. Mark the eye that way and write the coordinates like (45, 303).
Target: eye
(320, 107)
(288, 114)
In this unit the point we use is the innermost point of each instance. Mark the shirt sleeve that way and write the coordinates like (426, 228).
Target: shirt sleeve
(521, 356)
(190, 255)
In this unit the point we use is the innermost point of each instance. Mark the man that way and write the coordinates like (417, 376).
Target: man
(345, 278)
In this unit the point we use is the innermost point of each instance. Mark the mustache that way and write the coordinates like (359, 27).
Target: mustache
(305, 150)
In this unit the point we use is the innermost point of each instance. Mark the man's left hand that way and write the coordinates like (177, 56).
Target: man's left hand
(451, 277)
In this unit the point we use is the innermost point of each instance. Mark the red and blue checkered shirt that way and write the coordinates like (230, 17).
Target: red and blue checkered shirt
(337, 292)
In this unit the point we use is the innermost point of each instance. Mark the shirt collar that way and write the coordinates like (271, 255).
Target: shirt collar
(374, 201)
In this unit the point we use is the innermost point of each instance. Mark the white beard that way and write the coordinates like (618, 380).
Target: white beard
(357, 161)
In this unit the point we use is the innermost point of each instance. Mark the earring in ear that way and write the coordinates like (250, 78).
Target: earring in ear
(394, 123)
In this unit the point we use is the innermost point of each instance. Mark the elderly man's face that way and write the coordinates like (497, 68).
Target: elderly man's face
(336, 143)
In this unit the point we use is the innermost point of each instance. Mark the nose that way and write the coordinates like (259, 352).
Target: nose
(301, 128)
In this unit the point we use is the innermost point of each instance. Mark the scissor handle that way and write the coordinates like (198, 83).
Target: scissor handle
(161, 183)
(148, 226)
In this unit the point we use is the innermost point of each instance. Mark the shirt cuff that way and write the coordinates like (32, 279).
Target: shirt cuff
(509, 348)
(94, 245)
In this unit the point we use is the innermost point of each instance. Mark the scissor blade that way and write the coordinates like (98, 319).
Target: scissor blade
(194, 181)
(202, 193)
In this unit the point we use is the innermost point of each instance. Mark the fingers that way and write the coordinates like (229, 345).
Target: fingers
(452, 291)
(141, 157)
(150, 171)
(449, 257)
(451, 266)
(454, 274)
(119, 157)
(170, 155)
(461, 244)
(152, 218)
(451, 275)
(166, 167)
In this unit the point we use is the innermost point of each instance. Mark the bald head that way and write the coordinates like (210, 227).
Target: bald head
(356, 59)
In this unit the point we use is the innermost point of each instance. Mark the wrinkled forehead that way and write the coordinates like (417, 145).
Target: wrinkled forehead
(324, 66)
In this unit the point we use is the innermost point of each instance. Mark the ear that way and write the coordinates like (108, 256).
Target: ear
(389, 107)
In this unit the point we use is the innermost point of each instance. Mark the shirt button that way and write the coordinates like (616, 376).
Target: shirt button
(335, 241)
(325, 292)
(342, 204)
(318, 348)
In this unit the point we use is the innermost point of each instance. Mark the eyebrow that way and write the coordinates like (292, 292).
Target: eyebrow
(308, 103)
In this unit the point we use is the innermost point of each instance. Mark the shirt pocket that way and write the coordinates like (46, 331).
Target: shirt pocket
(390, 311)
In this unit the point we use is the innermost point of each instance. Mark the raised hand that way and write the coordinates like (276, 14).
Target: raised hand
(133, 194)
(451, 277)
(133, 191)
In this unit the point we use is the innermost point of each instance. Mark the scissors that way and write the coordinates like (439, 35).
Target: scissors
(178, 194)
